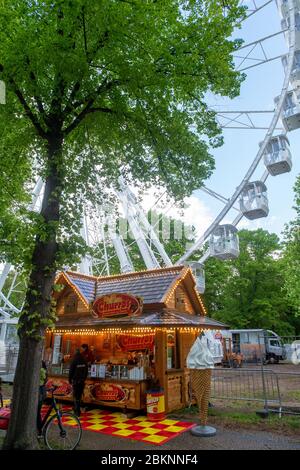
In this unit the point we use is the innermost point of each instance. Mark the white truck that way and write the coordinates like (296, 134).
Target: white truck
(257, 344)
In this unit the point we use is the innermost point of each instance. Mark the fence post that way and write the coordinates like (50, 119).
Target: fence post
(266, 407)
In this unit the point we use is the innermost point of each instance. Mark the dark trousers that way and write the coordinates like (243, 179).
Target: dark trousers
(42, 396)
(78, 388)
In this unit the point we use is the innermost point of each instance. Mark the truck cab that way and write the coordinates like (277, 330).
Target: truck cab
(275, 350)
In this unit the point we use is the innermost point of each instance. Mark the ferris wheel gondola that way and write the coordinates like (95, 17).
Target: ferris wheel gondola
(277, 155)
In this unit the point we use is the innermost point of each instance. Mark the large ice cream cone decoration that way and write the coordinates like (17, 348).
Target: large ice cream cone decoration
(201, 380)
(200, 361)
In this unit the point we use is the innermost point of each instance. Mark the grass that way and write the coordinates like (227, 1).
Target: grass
(294, 394)
(237, 419)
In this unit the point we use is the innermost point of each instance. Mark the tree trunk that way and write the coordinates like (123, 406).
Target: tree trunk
(21, 433)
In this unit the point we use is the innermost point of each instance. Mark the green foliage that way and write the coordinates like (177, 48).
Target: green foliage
(248, 292)
(291, 254)
(118, 86)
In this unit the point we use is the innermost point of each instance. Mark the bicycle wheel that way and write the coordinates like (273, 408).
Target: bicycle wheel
(64, 437)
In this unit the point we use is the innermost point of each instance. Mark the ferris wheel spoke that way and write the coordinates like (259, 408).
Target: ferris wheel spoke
(13, 284)
(261, 62)
(247, 123)
(255, 8)
(217, 196)
(261, 40)
(8, 304)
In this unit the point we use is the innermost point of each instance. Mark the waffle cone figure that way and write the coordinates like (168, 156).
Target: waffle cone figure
(200, 361)
(201, 380)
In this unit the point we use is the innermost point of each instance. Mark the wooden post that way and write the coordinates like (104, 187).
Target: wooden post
(161, 361)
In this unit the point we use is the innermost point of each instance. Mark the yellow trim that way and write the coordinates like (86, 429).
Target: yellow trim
(70, 284)
(135, 331)
(181, 275)
(148, 272)
(187, 270)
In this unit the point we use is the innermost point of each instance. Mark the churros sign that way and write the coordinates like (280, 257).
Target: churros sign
(117, 305)
(133, 343)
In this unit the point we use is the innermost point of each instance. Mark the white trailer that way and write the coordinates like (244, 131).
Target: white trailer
(258, 344)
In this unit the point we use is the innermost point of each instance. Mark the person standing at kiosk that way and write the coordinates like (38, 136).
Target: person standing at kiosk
(77, 377)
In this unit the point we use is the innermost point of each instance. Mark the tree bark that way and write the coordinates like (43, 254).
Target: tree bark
(21, 433)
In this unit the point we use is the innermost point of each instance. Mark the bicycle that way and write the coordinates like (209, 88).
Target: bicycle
(56, 433)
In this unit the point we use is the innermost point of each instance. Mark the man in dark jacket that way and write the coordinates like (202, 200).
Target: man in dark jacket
(77, 376)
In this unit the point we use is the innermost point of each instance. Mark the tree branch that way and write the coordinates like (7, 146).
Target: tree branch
(89, 57)
(102, 110)
(35, 95)
(89, 103)
(28, 110)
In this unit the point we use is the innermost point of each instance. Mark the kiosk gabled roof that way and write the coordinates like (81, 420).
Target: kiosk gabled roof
(154, 286)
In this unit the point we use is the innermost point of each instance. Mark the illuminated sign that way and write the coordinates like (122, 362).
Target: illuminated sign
(133, 343)
(117, 305)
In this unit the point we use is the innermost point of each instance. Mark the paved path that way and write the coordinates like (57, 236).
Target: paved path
(225, 439)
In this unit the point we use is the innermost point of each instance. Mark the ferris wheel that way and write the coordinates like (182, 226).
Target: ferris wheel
(276, 41)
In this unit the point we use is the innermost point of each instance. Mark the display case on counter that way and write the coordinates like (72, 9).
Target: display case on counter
(118, 371)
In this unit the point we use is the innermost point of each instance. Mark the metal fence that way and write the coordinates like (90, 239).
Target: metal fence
(275, 391)
(270, 389)
(8, 360)
(247, 384)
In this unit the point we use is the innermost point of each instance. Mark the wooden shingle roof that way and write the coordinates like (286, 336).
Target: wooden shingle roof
(150, 285)
(153, 286)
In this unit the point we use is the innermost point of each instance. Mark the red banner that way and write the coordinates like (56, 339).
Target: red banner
(135, 343)
(117, 305)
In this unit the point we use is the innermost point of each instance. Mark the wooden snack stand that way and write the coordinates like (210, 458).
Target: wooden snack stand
(139, 328)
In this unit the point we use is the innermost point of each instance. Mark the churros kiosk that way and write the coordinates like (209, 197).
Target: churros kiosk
(139, 327)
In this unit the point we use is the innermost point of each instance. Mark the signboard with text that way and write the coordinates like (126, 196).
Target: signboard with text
(135, 342)
(117, 305)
